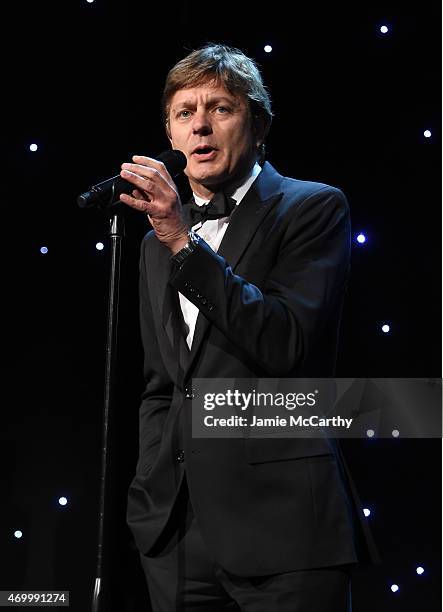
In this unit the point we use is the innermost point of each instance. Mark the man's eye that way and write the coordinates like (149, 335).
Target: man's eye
(184, 113)
(222, 109)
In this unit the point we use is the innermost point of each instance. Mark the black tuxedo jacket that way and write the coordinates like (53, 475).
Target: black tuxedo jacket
(270, 303)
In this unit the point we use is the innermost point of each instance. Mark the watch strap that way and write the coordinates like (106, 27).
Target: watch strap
(180, 257)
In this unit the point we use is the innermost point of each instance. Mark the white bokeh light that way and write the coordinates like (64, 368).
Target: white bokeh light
(33, 147)
(267, 48)
(62, 501)
(370, 433)
(99, 246)
(361, 238)
(420, 570)
(427, 133)
(43, 250)
(394, 588)
(385, 328)
(395, 433)
(18, 534)
(384, 29)
(366, 511)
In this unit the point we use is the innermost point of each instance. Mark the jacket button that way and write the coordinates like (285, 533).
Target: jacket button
(180, 456)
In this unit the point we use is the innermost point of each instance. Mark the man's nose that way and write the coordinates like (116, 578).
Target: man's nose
(202, 124)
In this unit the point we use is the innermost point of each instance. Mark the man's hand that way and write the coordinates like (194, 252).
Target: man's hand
(156, 195)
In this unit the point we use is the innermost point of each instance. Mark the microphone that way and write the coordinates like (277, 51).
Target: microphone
(107, 193)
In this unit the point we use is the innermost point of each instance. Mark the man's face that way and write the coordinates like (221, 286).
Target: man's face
(213, 129)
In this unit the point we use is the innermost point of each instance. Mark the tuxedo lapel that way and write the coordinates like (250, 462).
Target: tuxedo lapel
(245, 221)
(243, 224)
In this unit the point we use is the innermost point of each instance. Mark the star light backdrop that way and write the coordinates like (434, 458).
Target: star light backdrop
(356, 96)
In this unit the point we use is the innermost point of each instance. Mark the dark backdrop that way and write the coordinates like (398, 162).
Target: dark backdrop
(84, 81)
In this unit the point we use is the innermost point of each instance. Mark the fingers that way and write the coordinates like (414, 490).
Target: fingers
(138, 195)
(138, 202)
(146, 178)
(139, 178)
(155, 193)
(147, 162)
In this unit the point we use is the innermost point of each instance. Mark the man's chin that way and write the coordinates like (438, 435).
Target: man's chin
(209, 178)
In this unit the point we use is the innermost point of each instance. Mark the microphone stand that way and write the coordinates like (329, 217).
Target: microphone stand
(105, 195)
(116, 233)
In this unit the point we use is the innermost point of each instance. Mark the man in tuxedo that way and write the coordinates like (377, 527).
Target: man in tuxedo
(245, 281)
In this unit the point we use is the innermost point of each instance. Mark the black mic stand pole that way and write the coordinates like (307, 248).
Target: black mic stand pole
(116, 233)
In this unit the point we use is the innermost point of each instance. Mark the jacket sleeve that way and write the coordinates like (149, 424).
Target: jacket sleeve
(277, 323)
(157, 395)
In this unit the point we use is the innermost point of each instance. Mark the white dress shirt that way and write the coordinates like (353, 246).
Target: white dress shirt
(212, 231)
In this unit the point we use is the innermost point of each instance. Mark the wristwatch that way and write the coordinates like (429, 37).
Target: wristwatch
(190, 247)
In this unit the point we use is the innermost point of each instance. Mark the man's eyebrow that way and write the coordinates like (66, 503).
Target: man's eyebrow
(210, 101)
(224, 99)
(184, 103)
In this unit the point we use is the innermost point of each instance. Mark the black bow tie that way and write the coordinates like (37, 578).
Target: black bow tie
(220, 206)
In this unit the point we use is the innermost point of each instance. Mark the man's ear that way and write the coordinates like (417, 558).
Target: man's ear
(168, 132)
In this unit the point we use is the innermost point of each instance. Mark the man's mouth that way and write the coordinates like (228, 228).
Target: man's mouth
(204, 152)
